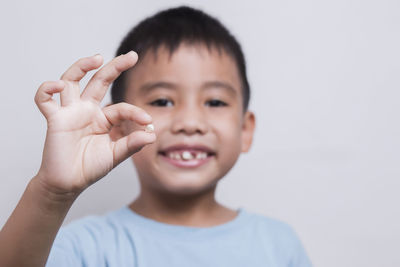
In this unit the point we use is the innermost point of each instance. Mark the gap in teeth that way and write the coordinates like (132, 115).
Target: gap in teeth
(187, 155)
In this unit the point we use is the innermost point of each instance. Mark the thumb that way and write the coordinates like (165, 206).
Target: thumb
(130, 144)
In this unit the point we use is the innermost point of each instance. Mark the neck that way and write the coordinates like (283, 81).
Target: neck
(200, 209)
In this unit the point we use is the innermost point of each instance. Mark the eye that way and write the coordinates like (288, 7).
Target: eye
(162, 102)
(215, 103)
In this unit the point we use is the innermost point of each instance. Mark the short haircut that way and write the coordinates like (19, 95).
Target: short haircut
(172, 27)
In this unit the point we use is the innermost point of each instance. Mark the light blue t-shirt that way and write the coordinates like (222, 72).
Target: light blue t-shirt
(124, 238)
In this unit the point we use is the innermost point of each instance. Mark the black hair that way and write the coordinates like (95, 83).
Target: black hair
(172, 27)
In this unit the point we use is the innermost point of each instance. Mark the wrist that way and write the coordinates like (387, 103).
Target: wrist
(51, 196)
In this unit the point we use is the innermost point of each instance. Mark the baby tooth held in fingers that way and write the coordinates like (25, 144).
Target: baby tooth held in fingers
(149, 128)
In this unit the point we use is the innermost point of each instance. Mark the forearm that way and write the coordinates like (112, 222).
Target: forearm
(28, 235)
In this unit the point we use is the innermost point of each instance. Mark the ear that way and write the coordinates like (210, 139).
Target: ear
(249, 123)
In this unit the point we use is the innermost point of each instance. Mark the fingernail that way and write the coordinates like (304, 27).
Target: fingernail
(133, 53)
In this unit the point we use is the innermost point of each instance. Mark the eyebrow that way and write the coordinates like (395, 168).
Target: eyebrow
(151, 86)
(220, 84)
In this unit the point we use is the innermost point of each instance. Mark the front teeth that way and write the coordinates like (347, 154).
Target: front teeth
(201, 155)
(186, 155)
(176, 156)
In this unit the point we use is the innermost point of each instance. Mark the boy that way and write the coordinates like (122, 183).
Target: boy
(191, 84)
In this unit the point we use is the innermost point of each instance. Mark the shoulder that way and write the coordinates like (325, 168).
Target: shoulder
(278, 236)
(87, 238)
(90, 226)
(270, 226)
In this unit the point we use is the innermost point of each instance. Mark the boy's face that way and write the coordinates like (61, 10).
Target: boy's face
(194, 97)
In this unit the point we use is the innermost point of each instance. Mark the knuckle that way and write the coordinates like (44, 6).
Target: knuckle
(102, 80)
(80, 61)
(64, 75)
(132, 108)
(100, 75)
(124, 105)
(118, 69)
(40, 90)
(138, 109)
(36, 98)
(43, 85)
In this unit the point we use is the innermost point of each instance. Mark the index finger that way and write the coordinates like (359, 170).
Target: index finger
(99, 83)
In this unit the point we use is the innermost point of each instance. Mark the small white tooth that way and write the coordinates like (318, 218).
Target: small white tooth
(149, 128)
(175, 155)
(201, 155)
(186, 155)
(172, 155)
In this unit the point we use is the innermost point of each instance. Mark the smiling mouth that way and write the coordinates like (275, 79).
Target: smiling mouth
(187, 157)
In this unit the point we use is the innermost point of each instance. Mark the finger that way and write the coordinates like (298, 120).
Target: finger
(130, 144)
(74, 74)
(117, 113)
(79, 69)
(43, 98)
(99, 83)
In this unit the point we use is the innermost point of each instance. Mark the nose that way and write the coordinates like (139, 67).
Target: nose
(189, 119)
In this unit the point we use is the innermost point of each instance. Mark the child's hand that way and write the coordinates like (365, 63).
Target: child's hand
(78, 149)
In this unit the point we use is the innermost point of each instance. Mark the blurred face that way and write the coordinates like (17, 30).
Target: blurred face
(194, 97)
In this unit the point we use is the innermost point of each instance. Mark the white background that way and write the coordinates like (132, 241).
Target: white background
(325, 83)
